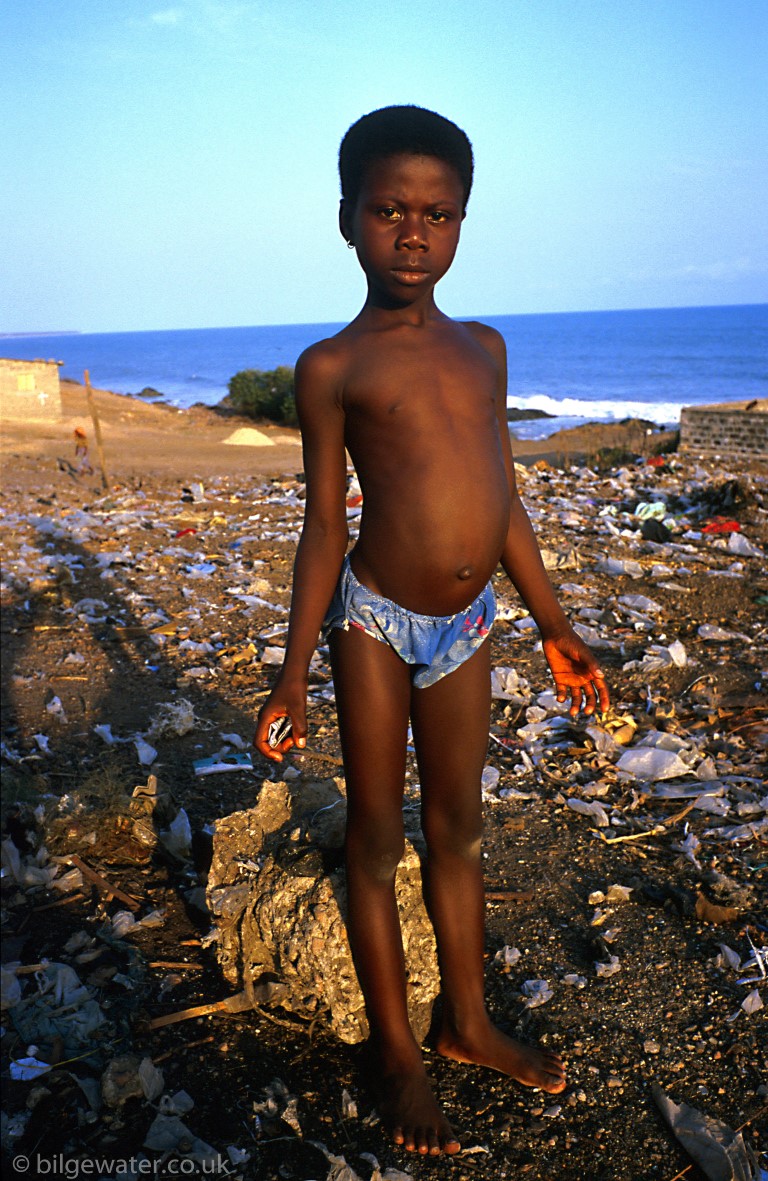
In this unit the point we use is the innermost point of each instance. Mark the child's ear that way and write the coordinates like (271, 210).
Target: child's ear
(343, 227)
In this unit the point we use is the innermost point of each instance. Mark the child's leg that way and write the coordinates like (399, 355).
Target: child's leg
(450, 728)
(373, 689)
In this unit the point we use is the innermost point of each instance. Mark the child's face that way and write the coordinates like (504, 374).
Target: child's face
(405, 225)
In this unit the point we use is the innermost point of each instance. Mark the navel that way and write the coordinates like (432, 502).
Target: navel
(465, 572)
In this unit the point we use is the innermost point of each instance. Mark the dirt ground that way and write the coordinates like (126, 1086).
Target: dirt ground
(119, 601)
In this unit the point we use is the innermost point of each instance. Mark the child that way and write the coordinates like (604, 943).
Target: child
(420, 402)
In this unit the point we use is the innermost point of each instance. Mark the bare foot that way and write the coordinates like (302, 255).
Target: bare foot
(490, 1047)
(409, 1110)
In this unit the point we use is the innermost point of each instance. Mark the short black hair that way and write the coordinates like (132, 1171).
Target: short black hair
(394, 131)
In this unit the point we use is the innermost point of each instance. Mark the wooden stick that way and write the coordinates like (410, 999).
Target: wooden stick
(78, 897)
(175, 964)
(188, 1014)
(101, 883)
(201, 1041)
(96, 429)
(509, 895)
(239, 1003)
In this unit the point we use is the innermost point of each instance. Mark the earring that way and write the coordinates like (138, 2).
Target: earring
(350, 245)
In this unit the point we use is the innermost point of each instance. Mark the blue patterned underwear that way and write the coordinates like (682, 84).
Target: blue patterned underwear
(434, 644)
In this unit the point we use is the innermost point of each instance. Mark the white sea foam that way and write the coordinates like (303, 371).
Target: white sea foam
(600, 410)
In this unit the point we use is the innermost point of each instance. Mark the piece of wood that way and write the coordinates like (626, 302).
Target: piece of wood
(200, 1041)
(78, 897)
(175, 964)
(96, 429)
(239, 1003)
(101, 882)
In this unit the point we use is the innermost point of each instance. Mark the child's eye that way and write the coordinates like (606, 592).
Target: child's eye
(438, 215)
(389, 213)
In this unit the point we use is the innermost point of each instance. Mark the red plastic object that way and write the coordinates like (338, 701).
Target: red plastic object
(720, 525)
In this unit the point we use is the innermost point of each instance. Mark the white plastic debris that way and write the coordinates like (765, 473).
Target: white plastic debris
(593, 809)
(652, 763)
(728, 957)
(537, 992)
(177, 838)
(640, 603)
(173, 719)
(180, 1103)
(169, 1135)
(607, 969)
(712, 631)
(55, 707)
(508, 685)
(507, 956)
(618, 566)
(752, 1002)
(741, 545)
(146, 753)
(152, 1081)
(489, 782)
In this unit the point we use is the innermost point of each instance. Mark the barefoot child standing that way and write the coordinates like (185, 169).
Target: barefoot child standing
(420, 402)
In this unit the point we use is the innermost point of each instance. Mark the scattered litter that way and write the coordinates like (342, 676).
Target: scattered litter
(719, 1152)
(507, 956)
(537, 993)
(594, 810)
(217, 764)
(173, 719)
(608, 969)
(147, 754)
(28, 1070)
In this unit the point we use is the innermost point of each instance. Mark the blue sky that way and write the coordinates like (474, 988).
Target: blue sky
(173, 165)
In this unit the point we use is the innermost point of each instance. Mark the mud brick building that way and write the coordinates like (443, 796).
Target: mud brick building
(730, 428)
(29, 389)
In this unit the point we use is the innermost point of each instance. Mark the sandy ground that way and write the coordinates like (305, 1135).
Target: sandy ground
(117, 602)
(149, 439)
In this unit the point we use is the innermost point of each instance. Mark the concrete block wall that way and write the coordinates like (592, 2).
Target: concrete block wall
(29, 389)
(726, 429)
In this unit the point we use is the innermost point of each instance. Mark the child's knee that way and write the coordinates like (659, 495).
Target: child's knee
(447, 835)
(375, 850)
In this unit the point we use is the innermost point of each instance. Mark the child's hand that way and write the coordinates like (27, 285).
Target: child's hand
(281, 703)
(576, 672)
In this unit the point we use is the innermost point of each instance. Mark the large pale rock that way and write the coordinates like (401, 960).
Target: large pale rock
(277, 891)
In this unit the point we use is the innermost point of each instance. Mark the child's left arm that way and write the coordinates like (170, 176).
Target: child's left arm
(574, 667)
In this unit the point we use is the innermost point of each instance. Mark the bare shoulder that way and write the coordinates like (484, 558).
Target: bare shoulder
(322, 362)
(320, 373)
(489, 338)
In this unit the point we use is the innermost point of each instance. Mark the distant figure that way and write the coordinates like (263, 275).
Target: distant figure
(420, 402)
(81, 453)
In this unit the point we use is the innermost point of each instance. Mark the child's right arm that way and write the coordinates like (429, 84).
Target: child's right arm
(322, 545)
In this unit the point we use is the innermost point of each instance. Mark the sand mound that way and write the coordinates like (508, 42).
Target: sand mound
(248, 436)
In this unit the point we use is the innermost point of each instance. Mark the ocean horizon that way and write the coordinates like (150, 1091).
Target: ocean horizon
(576, 367)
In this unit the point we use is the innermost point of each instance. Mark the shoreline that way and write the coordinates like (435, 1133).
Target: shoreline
(152, 438)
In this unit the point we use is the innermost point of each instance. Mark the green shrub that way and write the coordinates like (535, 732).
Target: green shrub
(263, 393)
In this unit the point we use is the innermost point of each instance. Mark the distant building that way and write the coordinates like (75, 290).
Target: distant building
(29, 389)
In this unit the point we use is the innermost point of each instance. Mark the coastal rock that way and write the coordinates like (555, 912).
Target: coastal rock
(278, 893)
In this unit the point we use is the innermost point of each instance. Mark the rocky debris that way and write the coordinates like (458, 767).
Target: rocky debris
(277, 892)
(624, 854)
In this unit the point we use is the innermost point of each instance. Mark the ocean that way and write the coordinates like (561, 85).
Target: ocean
(577, 367)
